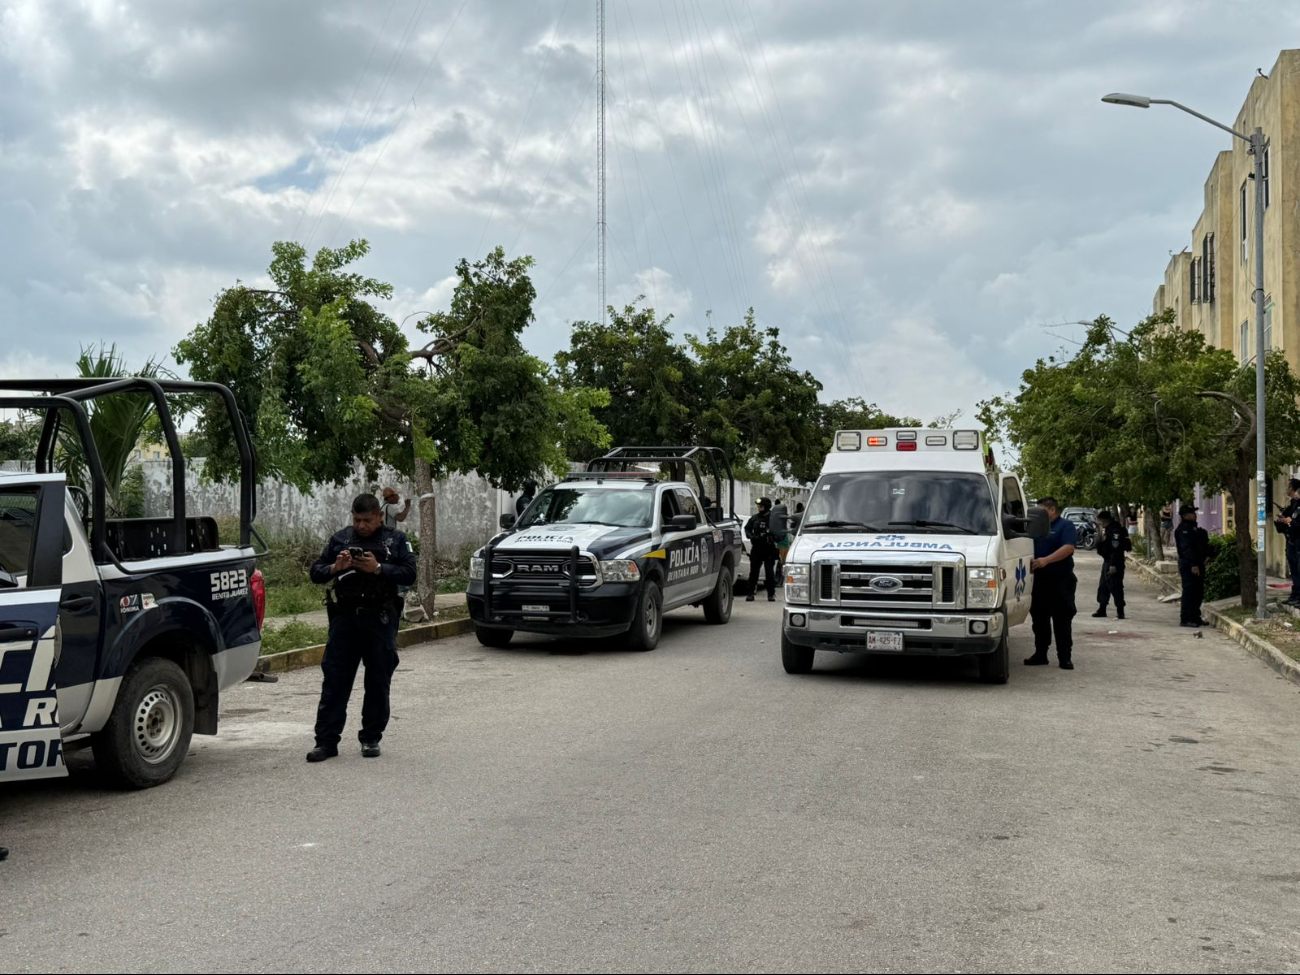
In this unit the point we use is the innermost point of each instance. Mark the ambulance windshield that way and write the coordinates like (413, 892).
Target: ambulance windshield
(902, 502)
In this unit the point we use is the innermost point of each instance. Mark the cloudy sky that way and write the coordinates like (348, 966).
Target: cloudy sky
(908, 189)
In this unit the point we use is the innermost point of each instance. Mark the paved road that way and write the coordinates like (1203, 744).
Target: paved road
(695, 809)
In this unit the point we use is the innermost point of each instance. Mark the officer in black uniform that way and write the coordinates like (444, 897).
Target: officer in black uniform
(1193, 552)
(366, 564)
(1112, 545)
(1288, 523)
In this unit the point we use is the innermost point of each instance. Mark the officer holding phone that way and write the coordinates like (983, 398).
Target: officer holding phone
(364, 565)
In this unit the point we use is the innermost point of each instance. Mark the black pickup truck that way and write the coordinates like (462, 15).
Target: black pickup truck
(116, 633)
(609, 550)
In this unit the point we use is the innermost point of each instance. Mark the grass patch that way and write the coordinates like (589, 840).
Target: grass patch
(293, 636)
(290, 600)
(1281, 629)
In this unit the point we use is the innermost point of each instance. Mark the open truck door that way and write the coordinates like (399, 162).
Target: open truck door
(31, 575)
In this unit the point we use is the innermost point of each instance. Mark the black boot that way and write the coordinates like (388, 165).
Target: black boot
(1067, 663)
(1101, 613)
(1119, 613)
(1039, 659)
(320, 753)
(370, 749)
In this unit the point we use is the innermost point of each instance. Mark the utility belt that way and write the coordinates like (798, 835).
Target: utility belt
(379, 606)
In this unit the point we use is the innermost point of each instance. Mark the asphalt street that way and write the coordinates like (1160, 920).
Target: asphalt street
(555, 807)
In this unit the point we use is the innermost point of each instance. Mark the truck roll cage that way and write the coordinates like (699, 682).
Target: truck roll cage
(55, 398)
(677, 460)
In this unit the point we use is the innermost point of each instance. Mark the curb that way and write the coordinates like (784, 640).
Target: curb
(1256, 646)
(279, 663)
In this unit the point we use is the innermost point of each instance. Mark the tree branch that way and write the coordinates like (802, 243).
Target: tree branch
(1245, 415)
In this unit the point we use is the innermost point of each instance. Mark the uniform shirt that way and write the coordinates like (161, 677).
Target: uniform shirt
(1062, 533)
(397, 566)
(1293, 530)
(1193, 543)
(1112, 545)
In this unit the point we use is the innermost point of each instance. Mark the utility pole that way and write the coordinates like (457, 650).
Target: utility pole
(601, 227)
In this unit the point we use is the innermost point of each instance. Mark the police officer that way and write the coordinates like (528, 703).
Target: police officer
(1053, 606)
(1289, 523)
(365, 564)
(524, 500)
(762, 550)
(1112, 545)
(1193, 552)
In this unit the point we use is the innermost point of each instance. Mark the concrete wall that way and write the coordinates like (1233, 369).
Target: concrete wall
(469, 509)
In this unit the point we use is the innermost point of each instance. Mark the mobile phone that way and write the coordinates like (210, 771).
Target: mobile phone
(356, 552)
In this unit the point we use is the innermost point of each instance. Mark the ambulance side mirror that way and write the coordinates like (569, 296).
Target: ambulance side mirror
(1035, 524)
(508, 522)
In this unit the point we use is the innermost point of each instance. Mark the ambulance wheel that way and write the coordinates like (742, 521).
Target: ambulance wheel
(148, 733)
(717, 608)
(796, 659)
(492, 637)
(995, 667)
(648, 623)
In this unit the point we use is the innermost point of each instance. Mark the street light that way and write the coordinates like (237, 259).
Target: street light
(1257, 145)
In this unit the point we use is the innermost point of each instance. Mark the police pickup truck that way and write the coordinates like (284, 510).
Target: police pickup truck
(913, 542)
(608, 551)
(117, 633)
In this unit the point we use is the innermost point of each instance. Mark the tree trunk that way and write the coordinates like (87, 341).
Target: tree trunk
(1242, 490)
(1151, 524)
(427, 582)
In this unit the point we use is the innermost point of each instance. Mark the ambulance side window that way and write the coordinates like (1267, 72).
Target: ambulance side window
(1013, 502)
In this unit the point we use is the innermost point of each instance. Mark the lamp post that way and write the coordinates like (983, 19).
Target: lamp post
(1257, 145)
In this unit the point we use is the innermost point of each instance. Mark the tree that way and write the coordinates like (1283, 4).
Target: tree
(1147, 417)
(329, 381)
(18, 440)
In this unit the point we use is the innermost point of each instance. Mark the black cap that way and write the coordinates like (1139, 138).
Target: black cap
(1103, 515)
(1188, 509)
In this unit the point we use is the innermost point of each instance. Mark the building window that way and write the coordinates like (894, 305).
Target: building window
(1243, 223)
(1268, 324)
(1241, 348)
(1193, 293)
(1207, 268)
(1264, 167)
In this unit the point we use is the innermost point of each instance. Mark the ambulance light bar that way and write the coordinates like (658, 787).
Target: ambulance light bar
(966, 440)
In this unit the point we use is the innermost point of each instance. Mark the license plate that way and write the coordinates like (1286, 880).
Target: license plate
(537, 609)
(885, 641)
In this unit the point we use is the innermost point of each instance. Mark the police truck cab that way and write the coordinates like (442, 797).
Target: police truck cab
(609, 550)
(913, 542)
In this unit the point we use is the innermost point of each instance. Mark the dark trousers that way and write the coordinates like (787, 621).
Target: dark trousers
(356, 640)
(1193, 591)
(1053, 609)
(762, 556)
(1111, 585)
(1293, 563)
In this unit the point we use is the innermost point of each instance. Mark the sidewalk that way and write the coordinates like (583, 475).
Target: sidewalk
(319, 618)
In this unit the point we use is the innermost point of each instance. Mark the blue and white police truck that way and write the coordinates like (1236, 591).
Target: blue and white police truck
(609, 550)
(913, 542)
(117, 633)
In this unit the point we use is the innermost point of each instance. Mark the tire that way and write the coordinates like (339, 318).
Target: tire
(796, 659)
(148, 734)
(717, 608)
(995, 667)
(648, 623)
(492, 637)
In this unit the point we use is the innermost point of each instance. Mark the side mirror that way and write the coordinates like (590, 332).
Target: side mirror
(508, 522)
(682, 523)
(1035, 524)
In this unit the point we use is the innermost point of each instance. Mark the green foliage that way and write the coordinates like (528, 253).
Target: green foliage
(18, 440)
(1222, 578)
(294, 635)
(130, 498)
(291, 600)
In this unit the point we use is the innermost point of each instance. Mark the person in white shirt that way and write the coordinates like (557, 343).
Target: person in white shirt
(393, 512)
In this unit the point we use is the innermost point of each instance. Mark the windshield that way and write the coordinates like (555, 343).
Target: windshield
(902, 501)
(588, 506)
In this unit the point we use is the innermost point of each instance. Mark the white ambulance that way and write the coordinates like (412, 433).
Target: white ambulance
(913, 542)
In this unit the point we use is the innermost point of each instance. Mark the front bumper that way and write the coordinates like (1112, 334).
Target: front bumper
(844, 630)
(605, 610)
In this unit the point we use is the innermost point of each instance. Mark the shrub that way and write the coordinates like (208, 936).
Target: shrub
(1222, 575)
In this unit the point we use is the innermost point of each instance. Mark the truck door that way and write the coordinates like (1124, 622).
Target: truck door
(1017, 553)
(31, 574)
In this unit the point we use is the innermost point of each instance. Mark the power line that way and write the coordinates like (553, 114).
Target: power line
(576, 251)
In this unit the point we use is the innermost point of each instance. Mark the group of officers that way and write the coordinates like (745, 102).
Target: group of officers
(1053, 607)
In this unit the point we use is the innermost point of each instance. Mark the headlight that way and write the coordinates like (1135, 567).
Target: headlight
(982, 587)
(620, 570)
(476, 566)
(796, 583)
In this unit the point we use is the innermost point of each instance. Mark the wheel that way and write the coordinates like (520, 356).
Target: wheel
(492, 637)
(717, 608)
(995, 667)
(148, 733)
(796, 659)
(647, 624)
